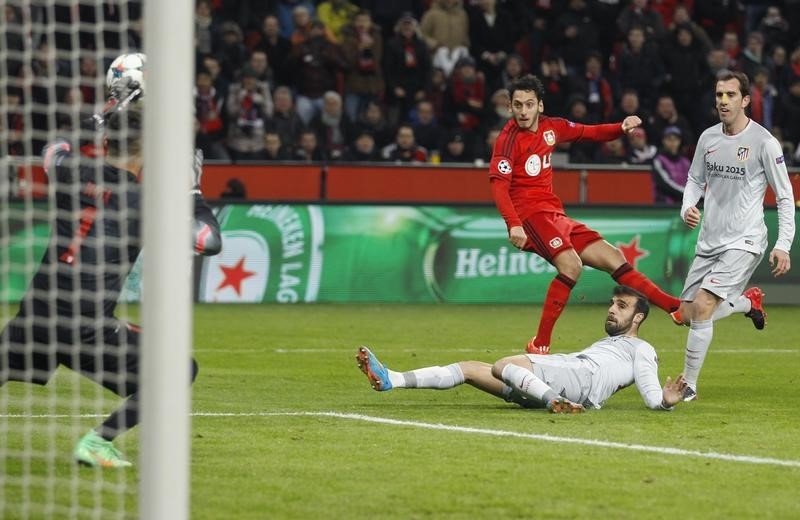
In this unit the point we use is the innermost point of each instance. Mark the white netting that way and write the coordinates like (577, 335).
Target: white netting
(53, 60)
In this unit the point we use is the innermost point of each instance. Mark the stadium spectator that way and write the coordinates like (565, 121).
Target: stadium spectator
(753, 55)
(574, 35)
(427, 130)
(285, 120)
(629, 106)
(513, 68)
(729, 249)
(730, 44)
(788, 117)
(666, 114)
(260, 64)
(362, 46)
(230, 50)
(277, 49)
(374, 121)
(301, 19)
(556, 85)
(594, 87)
(498, 112)
(579, 151)
(445, 27)
(492, 35)
(455, 148)
(274, 149)
(405, 149)
(88, 80)
(686, 67)
(308, 149)
(317, 64)
(682, 17)
(219, 82)
(716, 16)
(14, 39)
(285, 14)
(763, 97)
(779, 69)
(363, 149)
(640, 14)
(205, 28)
(775, 28)
(247, 108)
(611, 152)
(209, 113)
(488, 145)
(670, 169)
(640, 67)
(521, 177)
(336, 14)
(563, 383)
(407, 66)
(333, 128)
(638, 150)
(387, 14)
(14, 123)
(464, 100)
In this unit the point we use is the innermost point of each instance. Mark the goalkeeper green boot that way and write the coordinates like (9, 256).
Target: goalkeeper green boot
(93, 450)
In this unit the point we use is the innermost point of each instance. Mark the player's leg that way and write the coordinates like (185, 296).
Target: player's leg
(27, 354)
(436, 377)
(549, 237)
(711, 281)
(602, 255)
(517, 372)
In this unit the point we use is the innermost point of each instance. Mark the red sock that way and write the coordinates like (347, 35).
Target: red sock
(554, 303)
(627, 275)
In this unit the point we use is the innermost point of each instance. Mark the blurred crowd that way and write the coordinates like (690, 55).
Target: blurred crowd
(414, 81)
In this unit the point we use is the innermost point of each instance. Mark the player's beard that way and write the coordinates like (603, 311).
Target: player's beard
(615, 327)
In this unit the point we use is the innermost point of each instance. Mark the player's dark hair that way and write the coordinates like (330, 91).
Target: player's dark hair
(744, 81)
(124, 132)
(641, 302)
(527, 83)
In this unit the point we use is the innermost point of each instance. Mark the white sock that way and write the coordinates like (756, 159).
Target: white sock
(741, 304)
(697, 343)
(440, 378)
(526, 382)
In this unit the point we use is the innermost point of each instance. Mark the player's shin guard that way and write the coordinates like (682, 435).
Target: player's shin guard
(627, 275)
(554, 303)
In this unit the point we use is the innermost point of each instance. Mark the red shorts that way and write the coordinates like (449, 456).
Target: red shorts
(551, 233)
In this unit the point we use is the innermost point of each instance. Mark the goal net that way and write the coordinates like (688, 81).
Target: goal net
(71, 229)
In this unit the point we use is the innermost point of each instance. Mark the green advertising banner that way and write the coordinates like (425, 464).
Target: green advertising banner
(313, 253)
(330, 253)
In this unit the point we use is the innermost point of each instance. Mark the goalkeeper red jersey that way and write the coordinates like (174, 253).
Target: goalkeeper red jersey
(520, 171)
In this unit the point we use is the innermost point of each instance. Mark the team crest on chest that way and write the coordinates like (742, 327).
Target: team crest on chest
(742, 153)
(549, 137)
(533, 166)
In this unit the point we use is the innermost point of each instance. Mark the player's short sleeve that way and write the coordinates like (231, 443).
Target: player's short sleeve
(566, 130)
(501, 164)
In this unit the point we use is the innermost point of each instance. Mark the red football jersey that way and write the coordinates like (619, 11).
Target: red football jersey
(520, 171)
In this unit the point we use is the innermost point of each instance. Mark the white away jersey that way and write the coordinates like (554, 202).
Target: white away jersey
(618, 362)
(734, 170)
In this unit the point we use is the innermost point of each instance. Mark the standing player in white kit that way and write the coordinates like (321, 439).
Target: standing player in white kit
(734, 162)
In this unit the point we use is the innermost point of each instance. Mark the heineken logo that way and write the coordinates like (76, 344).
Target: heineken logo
(474, 262)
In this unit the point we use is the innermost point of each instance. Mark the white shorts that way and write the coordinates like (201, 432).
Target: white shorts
(567, 374)
(724, 275)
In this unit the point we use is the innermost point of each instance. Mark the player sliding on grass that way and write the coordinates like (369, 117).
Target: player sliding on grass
(563, 383)
(734, 162)
(521, 177)
(67, 316)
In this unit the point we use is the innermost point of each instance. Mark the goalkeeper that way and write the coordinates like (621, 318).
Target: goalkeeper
(67, 316)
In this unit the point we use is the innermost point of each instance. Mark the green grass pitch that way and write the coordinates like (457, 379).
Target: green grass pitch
(262, 446)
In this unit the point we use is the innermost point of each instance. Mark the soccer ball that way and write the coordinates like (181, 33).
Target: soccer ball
(127, 66)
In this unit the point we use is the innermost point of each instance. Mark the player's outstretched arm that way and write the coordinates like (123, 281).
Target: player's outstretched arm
(673, 391)
(206, 235)
(631, 122)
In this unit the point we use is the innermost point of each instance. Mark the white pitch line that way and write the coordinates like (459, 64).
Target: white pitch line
(347, 351)
(663, 450)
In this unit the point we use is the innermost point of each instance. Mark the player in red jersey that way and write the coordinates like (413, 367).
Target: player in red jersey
(521, 177)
